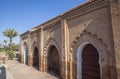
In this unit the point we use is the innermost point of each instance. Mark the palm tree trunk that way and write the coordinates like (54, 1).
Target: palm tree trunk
(10, 44)
(5, 46)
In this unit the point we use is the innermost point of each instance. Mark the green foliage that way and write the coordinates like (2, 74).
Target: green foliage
(6, 48)
(1, 49)
(10, 54)
(5, 41)
(15, 47)
(11, 33)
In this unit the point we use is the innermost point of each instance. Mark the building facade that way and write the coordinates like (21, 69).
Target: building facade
(82, 43)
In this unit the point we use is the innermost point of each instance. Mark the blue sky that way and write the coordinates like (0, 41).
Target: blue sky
(23, 15)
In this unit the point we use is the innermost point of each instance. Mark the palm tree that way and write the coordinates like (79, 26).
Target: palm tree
(5, 41)
(11, 33)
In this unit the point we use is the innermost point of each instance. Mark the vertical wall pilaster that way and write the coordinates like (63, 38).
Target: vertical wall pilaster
(29, 51)
(115, 19)
(41, 51)
(21, 51)
(71, 66)
(65, 49)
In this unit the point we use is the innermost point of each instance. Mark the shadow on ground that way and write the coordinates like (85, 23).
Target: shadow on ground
(2, 72)
(57, 75)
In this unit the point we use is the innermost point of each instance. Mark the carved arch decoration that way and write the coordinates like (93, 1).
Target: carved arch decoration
(34, 44)
(34, 39)
(89, 34)
(25, 41)
(24, 45)
(51, 41)
(35, 55)
(98, 40)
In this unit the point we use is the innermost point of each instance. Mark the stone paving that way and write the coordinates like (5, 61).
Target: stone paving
(21, 71)
(4, 73)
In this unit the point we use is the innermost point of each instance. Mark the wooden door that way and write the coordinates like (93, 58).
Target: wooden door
(90, 63)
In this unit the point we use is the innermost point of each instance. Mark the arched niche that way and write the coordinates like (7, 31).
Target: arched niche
(36, 58)
(88, 62)
(53, 60)
(25, 53)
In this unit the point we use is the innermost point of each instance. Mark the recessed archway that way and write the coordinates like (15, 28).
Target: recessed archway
(25, 54)
(36, 58)
(53, 61)
(88, 64)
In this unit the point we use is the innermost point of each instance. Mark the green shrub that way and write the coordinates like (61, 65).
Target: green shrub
(10, 54)
(15, 47)
(1, 49)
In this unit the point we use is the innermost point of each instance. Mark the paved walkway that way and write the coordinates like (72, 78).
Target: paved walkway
(4, 74)
(21, 71)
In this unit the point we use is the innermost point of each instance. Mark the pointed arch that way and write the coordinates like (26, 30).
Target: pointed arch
(88, 62)
(36, 58)
(53, 60)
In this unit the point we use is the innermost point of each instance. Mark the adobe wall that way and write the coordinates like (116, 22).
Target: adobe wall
(93, 23)
(115, 24)
(51, 37)
(93, 26)
(24, 39)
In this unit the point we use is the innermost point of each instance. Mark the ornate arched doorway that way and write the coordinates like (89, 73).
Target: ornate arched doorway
(88, 64)
(25, 54)
(36, 58)
(53, 61)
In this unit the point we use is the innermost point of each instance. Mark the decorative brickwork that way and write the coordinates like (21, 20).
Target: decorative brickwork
(95, 23)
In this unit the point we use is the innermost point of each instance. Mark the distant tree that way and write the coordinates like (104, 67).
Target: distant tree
(1, 48)
(11, 33)
(0, 45)
(5, 41)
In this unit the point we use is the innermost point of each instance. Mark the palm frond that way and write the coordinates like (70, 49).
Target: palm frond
(11, 33)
